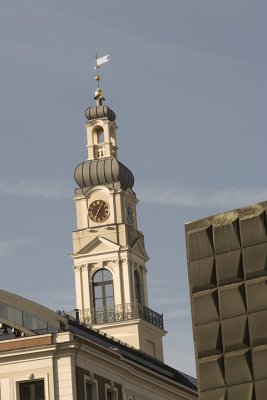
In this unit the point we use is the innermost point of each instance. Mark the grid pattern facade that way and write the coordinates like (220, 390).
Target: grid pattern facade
(227, 262)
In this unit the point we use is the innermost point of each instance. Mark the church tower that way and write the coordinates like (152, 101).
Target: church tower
(108, 249)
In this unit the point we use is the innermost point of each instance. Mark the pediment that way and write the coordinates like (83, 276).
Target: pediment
(138, 248)
(98, 245)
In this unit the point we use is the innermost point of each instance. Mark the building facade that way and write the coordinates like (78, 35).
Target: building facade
(45, 355)
(227, 264)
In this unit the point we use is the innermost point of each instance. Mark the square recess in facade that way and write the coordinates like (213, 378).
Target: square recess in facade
(227, 265)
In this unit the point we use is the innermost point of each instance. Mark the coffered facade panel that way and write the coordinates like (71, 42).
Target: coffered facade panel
(227, 268)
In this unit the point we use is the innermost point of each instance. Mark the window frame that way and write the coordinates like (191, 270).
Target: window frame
(92, 382)
(28, 377)
(102, 284)
(113, 390)
(30, 381)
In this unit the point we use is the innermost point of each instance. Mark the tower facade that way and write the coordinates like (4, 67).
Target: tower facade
(108, 249)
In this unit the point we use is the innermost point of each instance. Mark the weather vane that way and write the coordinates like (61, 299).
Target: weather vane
(99, 93)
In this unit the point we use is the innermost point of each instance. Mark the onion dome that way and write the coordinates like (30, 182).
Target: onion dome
(100, 112)
(103, 171)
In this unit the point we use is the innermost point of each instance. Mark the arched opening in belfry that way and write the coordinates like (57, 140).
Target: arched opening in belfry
(99, 142)
(112, 137)
(98, 135)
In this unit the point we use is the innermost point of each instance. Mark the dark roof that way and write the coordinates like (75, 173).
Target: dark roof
(100, 112)
(132, 354)
(103, 171)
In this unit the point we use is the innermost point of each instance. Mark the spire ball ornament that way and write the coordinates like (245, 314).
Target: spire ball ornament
(99, 97)
(98, 93)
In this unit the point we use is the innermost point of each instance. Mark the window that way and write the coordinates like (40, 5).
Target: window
(103, 289)
(137, 287)
(90, 391)
(89, 395)
(103, 297)
(111, 394)
(90, 388)
(33, 390)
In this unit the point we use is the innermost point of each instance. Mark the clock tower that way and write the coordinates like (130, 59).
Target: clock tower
(109, 253)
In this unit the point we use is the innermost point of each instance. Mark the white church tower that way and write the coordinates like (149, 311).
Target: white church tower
(108, 249)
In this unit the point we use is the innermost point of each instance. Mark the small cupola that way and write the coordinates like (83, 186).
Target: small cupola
(102, 165)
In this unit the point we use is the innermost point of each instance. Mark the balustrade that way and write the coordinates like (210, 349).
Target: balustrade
(120, 312)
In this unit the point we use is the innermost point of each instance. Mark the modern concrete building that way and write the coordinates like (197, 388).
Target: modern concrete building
(110, 347)
(227, 263)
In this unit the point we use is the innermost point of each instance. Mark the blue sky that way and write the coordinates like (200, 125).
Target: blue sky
(187, 80)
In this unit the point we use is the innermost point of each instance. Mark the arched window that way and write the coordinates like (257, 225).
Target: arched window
(98, 135)
(101, 137)
(103, 289)
(137, 287)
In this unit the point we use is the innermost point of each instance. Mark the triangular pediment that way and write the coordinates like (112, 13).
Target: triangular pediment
(139, 249)
(98, 245)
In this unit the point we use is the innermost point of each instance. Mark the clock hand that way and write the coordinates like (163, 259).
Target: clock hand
(99, 209)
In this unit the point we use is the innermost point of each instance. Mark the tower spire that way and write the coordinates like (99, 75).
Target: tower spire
(99, 95)
(108, 249)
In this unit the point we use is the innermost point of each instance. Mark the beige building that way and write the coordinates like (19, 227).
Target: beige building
(110, 347)
(227, 263)
(48, 356)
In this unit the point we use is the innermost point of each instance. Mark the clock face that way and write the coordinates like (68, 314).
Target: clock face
(129, 213)
(98, 211)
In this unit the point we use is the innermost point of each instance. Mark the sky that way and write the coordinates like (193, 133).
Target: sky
(187, 81)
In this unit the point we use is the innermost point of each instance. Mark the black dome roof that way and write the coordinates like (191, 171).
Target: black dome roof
(103, 171)
(100, 112)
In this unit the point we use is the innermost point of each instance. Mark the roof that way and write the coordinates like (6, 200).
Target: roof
(132, 354)
(103, 171)
(227, 217)
(27, 317)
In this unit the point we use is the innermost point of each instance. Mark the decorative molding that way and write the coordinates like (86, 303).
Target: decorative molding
(89, 377)
(99, 188)
(139, 249)
(93, 244)
(94, 269)
(82, 266)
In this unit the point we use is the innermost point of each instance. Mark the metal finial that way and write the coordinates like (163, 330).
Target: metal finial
(99, 93)
(97, 77)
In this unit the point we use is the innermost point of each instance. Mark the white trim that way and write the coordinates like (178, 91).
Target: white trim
(30, 376)
(90, 379)
(112, 389)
